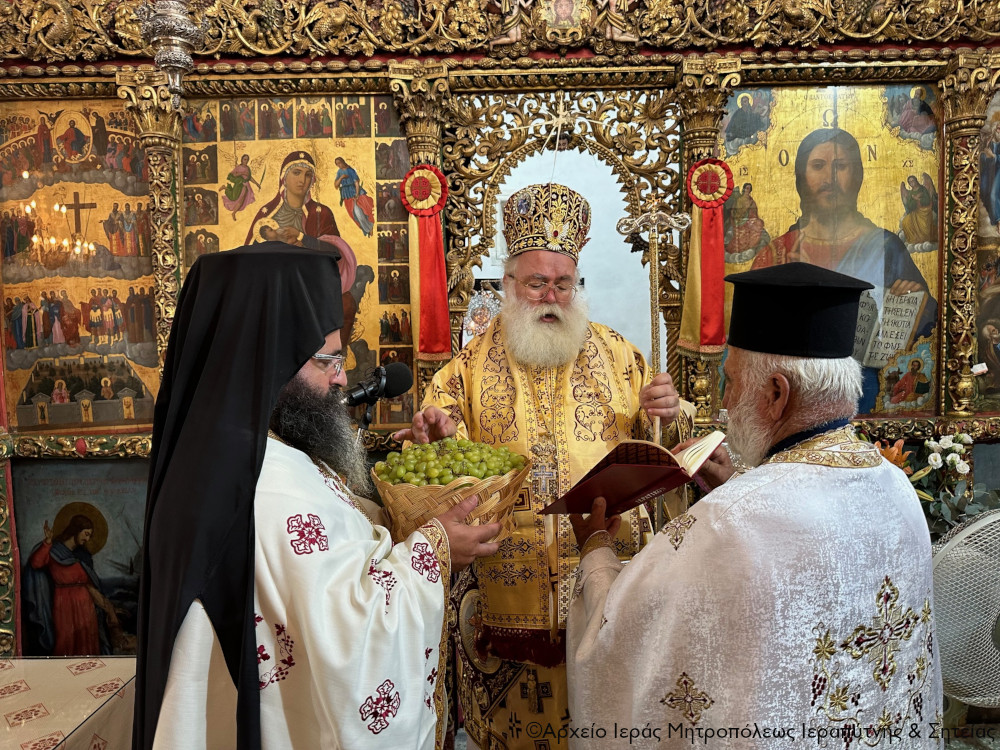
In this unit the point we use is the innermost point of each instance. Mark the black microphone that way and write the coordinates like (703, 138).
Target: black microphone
(390, 381)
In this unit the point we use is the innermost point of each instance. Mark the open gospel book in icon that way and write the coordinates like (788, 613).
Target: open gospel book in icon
(634, 472)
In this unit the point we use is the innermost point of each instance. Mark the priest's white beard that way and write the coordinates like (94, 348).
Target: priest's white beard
(748, 435)
(531, 342)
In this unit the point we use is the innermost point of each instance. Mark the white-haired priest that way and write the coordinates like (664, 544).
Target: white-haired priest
(794, 600)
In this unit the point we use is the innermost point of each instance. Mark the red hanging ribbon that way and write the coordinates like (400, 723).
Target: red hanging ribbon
(424, 191)
(709, 183)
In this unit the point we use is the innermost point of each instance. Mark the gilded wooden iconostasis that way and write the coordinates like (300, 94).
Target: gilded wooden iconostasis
(135, 138)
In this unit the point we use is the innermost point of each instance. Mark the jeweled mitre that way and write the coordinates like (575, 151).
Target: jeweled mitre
(546, 217)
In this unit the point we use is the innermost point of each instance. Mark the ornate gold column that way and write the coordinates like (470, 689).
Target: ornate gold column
(966, 90)
(153, 98)
(8, 623)
(420, 92)
(704, 86)
(158, 119)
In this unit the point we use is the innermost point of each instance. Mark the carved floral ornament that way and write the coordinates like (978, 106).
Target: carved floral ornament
(91, 30)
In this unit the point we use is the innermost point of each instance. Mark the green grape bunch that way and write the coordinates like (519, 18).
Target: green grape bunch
(442, 461)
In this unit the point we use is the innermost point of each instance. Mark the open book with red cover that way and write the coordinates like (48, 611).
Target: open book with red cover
(634, 472)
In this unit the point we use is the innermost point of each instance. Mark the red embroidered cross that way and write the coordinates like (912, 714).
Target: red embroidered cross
(380, 707)
(421, 188)
(708, 182)
(309, 534)
(425, 562)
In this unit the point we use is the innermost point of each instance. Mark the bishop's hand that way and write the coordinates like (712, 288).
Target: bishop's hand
(659, 398)
(429, 425)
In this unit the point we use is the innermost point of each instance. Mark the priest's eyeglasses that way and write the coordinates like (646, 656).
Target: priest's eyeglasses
(536, 290)
(325, 361)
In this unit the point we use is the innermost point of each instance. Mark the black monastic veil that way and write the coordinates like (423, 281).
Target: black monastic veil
(246, 321)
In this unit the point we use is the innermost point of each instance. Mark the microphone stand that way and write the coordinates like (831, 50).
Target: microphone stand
(373, 393)
(367, 417)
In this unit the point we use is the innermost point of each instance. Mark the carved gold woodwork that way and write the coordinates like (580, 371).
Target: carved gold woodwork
(419, 92)
(157, 115)
(58, 30)
(426, 368)
(8, 577)
(78, 446)
(377, 442)
(966, 91)
(702, 92)
(634, 131)
(699, 384)
(475, 81)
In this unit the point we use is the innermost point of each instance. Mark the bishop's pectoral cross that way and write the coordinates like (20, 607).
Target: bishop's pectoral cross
(543, 473)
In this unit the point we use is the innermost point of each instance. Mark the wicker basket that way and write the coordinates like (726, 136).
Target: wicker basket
(410, 506)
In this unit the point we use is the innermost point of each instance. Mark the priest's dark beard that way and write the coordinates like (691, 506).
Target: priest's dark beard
(319, 425)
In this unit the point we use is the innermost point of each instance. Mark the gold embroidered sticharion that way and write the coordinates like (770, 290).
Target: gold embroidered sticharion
(497, 419)
(880, 640)
(840, 448)
(690, 701)
(676, 529)
(835, 697)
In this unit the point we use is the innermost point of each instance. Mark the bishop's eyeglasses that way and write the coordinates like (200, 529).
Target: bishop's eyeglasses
(325, 361)
(537, 290)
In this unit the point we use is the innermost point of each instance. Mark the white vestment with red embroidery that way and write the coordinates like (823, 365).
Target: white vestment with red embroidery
(796, 597)
(349, 627)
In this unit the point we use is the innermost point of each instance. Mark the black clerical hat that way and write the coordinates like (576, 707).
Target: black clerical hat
(796, 309)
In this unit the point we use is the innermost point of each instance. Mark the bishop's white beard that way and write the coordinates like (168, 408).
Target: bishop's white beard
(534, 343)
(748, 435)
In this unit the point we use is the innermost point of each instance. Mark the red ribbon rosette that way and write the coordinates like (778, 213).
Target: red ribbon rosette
(709, 183)
(424, 191)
